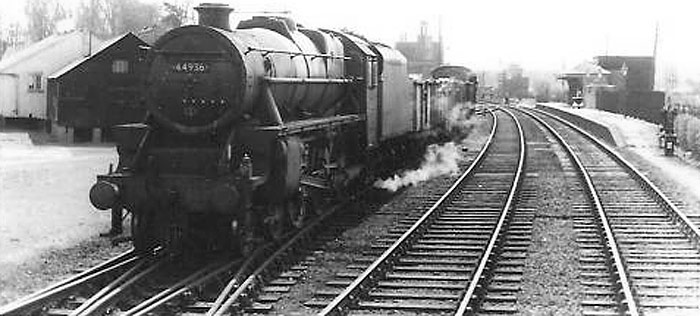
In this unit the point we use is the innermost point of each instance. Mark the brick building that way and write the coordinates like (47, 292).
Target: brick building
(424, 54)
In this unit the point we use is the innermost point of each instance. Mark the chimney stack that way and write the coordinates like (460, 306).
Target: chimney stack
(214, 15)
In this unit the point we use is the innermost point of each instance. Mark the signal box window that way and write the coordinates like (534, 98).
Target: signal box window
(35, 82)
(120, 66)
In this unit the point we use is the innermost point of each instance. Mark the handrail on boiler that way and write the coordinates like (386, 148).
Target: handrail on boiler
(308, 80)
(294, 54)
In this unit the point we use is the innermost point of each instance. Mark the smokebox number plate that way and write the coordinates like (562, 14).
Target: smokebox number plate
(191, 67)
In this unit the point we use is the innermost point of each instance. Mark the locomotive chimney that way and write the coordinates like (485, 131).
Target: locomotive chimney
(214, 15)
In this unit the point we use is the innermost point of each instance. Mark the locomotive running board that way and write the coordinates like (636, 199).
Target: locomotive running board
(310, 125)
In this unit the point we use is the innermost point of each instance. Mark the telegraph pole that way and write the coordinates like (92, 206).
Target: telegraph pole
(656, 43)
(442, 52)
(656, 39)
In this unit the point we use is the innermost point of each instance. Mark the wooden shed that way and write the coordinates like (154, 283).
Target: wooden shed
(89, 96)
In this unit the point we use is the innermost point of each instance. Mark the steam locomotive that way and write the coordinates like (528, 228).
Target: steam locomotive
(252, 131)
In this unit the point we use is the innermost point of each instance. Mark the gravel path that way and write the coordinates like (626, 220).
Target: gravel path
(549, 285)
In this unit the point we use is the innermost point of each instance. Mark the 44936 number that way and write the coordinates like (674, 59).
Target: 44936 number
(192, 67)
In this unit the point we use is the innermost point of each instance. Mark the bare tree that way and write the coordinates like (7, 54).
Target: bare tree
(42, 16)
(176, 13)
(133, 15)
(89, 17)
(3, 38)
(113, 17)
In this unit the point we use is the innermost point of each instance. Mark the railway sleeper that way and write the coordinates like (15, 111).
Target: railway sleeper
(500, 298)
(420, 285)
(412, 295)
(427, 277)
(661, 268)
(599, 291)
(491, 308)
(403, 305)
(435, 269)
(499, 286)
(680, 303)
(434, 254)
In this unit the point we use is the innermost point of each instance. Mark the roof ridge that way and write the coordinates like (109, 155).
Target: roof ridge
(38, 47)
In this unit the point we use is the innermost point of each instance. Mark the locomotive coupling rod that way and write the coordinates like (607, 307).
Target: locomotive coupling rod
(274, 51)
(307, 80)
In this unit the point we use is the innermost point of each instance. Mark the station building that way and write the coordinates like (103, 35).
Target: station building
(585, 77)
(618, 84)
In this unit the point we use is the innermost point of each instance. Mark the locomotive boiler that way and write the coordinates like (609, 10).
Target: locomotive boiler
(252, 131)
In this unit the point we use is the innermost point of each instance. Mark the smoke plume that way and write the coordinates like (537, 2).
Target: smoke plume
(438, 160)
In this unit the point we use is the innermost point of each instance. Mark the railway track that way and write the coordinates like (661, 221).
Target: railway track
(411, 206)
(650, 263)
(447, 251)
(637, 254)
(127, 284)
(154, 285)
(87, 281)
(264, 298)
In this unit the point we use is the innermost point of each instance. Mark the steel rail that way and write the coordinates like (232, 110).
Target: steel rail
(175, 293)
(365, 280)
(238, 278)
(104, 290)
(626, 298)
(198, 277)
(476, 279)
(255, 279)
(34, 301)
(111, 292)
(688, 227)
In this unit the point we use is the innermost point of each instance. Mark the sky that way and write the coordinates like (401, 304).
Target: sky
(547, 35)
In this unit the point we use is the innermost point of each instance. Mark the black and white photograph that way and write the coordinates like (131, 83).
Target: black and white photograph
(322, 157)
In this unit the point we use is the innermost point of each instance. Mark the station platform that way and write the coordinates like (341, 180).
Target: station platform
(638, 141)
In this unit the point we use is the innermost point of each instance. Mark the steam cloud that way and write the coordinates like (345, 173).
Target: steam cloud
(438, 160)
